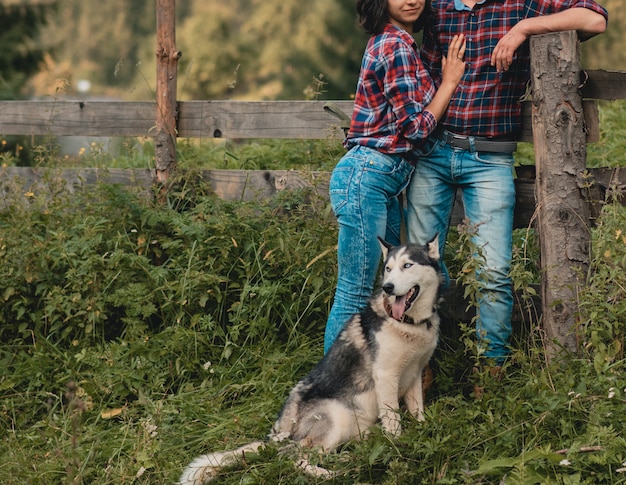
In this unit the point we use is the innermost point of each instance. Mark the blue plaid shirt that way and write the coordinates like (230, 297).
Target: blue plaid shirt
(486, 102)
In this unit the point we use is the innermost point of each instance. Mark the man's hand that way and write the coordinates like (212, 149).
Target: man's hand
(502, 56)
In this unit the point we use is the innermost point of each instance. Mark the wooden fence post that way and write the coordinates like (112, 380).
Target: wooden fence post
(562, 209)
(166, 105)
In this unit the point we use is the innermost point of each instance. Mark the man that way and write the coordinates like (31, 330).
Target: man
(472, 147)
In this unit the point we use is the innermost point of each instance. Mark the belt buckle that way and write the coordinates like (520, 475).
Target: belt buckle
(456, 141)
(448, 138)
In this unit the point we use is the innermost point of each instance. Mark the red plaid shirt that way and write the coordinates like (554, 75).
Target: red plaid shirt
(392, 91)
(487, 102)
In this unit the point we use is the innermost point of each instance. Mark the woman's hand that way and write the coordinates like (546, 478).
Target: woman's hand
(452, 69)
(453, 66)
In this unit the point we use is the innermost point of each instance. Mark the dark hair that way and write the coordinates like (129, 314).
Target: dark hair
(373, 15)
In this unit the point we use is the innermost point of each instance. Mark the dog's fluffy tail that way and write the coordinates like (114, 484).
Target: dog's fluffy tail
(206, 467)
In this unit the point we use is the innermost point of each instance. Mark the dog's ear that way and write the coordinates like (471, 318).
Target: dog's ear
(385, 246)
(433, 247)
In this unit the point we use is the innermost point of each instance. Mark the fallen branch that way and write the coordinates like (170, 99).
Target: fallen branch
(583, 449)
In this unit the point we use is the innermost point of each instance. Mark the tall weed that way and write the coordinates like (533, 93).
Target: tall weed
(602, 302)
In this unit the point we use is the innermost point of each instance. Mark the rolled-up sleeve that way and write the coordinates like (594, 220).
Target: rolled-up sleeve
(409, 89)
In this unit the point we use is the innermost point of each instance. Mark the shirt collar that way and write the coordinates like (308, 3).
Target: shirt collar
(460, 6)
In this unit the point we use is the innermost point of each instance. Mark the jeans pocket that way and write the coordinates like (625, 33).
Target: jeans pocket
(430, 145)
(339, 186)
(493, 158)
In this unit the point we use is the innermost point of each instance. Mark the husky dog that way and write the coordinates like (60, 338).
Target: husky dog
(376, 361)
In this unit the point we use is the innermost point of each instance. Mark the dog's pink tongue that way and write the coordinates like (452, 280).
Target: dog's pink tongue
(397, 309)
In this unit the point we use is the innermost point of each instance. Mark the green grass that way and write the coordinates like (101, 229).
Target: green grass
(135, 336)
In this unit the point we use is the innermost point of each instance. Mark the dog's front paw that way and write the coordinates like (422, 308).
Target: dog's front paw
(279, 437)
(390, 421)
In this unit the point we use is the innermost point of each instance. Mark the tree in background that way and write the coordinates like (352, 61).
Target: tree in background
(301, 41)
(242, 49)
(608, 51)
(21, 53)
(101, 42)
(211, 65)
(254, 49)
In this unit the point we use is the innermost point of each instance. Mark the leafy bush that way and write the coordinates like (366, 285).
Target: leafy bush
(603, 300)
(104, 264)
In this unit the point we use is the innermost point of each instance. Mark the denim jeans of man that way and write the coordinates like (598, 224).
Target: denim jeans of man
(488, 194)
(364, 189)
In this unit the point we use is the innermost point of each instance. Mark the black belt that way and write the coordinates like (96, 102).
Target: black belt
(410, 157)
(475, 143)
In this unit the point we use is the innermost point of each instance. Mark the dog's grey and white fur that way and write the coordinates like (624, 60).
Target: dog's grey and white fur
(376, 361)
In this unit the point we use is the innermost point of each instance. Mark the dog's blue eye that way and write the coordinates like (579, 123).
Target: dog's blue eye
(407, 265)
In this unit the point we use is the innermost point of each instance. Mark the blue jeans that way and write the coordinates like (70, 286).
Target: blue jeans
(488, 194)
(364, 189)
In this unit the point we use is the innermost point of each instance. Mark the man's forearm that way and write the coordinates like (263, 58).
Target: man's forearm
(586, 22)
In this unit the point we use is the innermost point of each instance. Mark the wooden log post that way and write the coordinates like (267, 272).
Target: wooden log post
(166, 105)
(563, 212)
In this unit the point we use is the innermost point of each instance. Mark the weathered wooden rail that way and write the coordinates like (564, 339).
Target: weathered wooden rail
(236, 119)
(202, 119)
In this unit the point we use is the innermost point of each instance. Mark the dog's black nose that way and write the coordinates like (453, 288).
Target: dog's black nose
(388, 288)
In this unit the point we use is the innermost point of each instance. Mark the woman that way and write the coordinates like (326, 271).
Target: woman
(396, 108)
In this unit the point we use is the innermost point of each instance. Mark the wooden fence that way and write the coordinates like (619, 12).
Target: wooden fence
(244, 120)
(318, 120)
